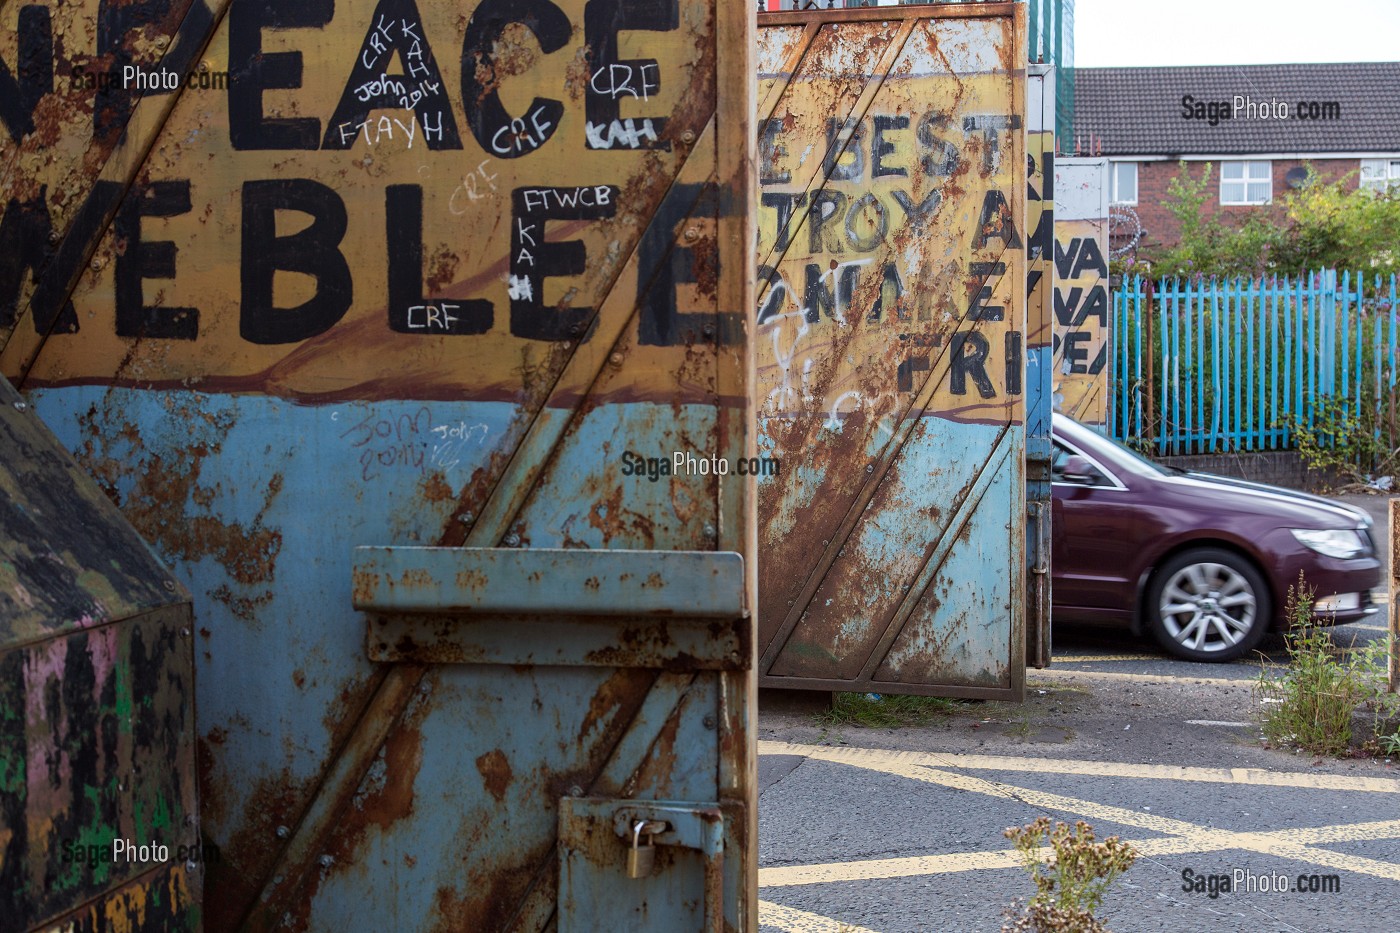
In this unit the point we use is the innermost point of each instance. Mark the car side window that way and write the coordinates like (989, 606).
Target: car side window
(1062, 457)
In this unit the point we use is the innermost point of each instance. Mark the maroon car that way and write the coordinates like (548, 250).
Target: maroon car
(1202, 562)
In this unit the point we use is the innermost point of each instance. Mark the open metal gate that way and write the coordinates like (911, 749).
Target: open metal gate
(1082, 343)
(414, 335)
(1040, 294)
(891, 349)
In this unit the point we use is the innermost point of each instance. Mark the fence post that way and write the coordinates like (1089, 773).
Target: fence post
(1151, 354)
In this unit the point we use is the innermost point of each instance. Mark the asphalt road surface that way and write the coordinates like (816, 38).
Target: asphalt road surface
(901, 830)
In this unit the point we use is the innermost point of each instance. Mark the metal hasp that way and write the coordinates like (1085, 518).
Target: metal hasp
(664, 610)
(1082, 363)
(98, 810)
(593, 837)
(891, 349)
(408, 273)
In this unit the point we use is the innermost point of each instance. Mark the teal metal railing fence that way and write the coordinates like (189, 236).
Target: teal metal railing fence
(1206, 366)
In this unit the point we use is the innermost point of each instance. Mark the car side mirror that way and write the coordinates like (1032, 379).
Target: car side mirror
(1078, 470)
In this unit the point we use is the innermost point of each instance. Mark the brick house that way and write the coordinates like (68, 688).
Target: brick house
(1258, 126)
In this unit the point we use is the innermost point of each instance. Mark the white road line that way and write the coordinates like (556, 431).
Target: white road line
(1217, 722)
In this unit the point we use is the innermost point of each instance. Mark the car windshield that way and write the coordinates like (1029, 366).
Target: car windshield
(1164, 469)
(1126, 455)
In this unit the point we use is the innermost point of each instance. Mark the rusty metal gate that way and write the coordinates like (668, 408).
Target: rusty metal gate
(413, 334)
(891, 349)
(1040, 293)
(1081, 367)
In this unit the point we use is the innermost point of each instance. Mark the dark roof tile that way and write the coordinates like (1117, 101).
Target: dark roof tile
(1138, 111)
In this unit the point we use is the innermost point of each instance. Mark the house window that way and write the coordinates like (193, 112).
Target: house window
(1380, 174)
(1124, 183)
(1246, 183)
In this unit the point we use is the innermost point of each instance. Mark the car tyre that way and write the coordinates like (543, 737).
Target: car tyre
(1207, 604)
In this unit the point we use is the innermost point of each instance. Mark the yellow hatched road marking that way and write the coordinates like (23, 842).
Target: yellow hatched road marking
(1090, 658)
(1181, 836)
(800, 921)
(1253, 776)
(1050, 674)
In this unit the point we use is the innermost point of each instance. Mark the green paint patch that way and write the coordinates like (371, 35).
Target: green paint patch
(100, 589)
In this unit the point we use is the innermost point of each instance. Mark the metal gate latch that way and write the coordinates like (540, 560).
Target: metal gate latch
(641, 858)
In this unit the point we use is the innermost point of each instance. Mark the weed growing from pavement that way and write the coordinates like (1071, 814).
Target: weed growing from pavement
(1310, 705)
(1071, 885)
(886, 711)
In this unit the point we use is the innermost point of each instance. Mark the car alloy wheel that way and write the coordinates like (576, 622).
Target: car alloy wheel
(1208, 605)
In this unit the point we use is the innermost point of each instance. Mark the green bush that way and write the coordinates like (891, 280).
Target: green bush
(1323, 225)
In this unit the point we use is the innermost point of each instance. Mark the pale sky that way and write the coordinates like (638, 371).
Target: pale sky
(1234, 32)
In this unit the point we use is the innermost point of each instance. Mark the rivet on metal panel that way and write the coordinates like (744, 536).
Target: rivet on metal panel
(190, 866)
(691, 233)
(575, 791)
(512, 541)
(870, 468)
(616, 359)
(21, 406)
(790, 602)
(709, 530)
(574, 329)
(688, 137)
(826, 542)
(709, 722)
(466, 518)
(185, 632)
(283, 832)
(709, 330)
(326, 861)
(169, 585)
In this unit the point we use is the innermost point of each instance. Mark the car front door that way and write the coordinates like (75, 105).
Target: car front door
(1094, 533)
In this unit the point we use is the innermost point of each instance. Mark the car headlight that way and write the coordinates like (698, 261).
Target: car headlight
(1341, 543)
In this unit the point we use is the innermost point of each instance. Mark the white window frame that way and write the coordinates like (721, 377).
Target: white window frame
(1249, 177)
(1389, 174)
(1113, 182)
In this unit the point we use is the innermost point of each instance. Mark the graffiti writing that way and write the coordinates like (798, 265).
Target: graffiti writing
(409, 440)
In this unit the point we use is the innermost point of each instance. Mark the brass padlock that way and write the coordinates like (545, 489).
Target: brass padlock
(640, 858)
